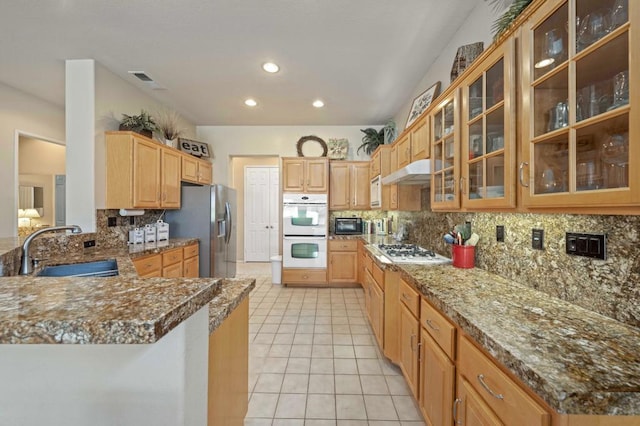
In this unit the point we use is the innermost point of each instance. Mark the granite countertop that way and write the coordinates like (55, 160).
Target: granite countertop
(578, 361)
(121, 309)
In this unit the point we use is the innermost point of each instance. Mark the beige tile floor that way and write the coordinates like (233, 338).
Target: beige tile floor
(313, 360)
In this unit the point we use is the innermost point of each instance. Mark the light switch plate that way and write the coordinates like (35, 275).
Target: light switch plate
(587, 245)
(537, 239)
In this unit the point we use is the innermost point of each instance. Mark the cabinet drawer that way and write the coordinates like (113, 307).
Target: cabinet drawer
(409, 297)
(190, 251)
(368, 263)
(439, 327)
(501, 393)
(172, 256)
(172, 271)
(304, 276)
(343, 245)
(378, 275)
(149, 265)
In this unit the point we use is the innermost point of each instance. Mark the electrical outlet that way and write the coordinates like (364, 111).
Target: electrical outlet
(112, 221)
(537, 239)
(89, 243)
(587, 245)
(500, 233)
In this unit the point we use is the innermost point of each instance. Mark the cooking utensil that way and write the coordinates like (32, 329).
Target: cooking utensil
(473, 240)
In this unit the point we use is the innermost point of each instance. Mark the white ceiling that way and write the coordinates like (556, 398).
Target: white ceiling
(364, 58)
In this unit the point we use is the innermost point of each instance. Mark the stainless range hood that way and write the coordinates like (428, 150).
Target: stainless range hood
(416, 173)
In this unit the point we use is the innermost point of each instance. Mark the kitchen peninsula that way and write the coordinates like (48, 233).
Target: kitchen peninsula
(116, 350)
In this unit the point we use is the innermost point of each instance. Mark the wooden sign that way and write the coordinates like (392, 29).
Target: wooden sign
(195, 148)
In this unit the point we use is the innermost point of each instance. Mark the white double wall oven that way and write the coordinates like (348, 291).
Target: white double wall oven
(305, 220)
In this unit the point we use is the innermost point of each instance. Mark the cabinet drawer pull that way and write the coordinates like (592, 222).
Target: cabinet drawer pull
(455, 411)
(488, 389)
(432, 325)
(521, 171)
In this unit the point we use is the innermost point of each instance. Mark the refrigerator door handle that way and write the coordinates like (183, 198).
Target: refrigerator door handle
(227, 213)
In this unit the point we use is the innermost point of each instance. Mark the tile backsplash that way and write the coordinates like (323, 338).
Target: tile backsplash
(610, 287)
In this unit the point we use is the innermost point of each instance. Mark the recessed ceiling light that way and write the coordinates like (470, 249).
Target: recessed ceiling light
(270, 67)
(250, 102)
(318, 103)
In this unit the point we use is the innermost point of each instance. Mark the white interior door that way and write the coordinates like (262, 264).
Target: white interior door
(274, 211)
(261, 189)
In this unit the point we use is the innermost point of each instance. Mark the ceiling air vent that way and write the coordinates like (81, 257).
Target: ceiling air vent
(142, 76)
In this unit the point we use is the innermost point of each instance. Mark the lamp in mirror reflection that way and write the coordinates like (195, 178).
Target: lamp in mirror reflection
(28, 214)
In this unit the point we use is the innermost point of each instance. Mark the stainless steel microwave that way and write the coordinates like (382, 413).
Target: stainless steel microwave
(348, 225)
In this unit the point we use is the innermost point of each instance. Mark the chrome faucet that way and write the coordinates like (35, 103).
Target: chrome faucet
(26, 267)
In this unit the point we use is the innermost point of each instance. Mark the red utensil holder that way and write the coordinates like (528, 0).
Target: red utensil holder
(463, 256)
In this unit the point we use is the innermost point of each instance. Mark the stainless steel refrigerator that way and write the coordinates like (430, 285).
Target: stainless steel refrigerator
(209, 214)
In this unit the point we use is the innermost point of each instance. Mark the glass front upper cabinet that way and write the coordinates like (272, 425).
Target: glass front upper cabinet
(578, 56)
(488, 131)
(445, 154)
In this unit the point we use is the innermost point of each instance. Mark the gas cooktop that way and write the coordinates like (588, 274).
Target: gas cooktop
(411, 253)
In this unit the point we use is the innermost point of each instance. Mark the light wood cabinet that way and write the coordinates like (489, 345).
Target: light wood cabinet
(375, 162)
(578, 127)
(404, 150)
(228, 376)
(502, 395)
(470, 409)
(304, 276)
(445, 154)
(349, 185)
(362, 254)
(437, 369)
(488, 133)
(196, 170)
(172, 263)
(305, 175)
(170, 168)
(409, 340)
(148, 266)
(343, 261)
(376, 307)
(420, 146)
(191, 261)
(141, 173)
(169, 264)
(397, 197)
(437, 382)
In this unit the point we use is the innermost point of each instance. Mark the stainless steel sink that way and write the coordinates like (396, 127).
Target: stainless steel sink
(100, 268)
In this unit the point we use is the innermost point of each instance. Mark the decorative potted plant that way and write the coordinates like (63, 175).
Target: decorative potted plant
(143, 123)
(372, 137)
(169, 126)
(514, 9)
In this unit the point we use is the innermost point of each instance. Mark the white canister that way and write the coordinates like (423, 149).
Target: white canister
(149, 233)
(162, 230)
(136, 236)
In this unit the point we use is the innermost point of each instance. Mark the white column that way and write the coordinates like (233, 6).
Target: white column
(80, 154)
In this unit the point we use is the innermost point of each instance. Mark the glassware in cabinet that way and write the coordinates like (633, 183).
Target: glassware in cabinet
(488, 132)
(445, 154)
(576, 114)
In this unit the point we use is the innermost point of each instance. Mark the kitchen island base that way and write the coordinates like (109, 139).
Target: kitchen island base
(164, 383)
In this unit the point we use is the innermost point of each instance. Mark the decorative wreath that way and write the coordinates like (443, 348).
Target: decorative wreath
(304, 139)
